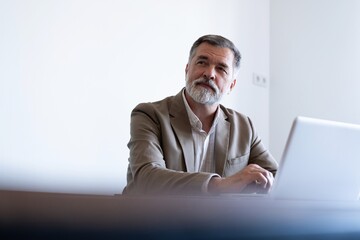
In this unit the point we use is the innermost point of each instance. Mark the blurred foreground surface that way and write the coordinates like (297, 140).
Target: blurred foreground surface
(31, 215)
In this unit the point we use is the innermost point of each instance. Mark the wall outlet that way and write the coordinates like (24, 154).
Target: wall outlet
(260, 80)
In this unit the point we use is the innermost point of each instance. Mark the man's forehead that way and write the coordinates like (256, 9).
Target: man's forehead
(206, 50)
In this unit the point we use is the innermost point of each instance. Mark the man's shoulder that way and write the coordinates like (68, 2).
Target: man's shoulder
(155, 104)
(162, 105)
(238, 121)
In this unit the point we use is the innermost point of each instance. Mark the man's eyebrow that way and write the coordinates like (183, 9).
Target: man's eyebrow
(221, 64)
(202, 57)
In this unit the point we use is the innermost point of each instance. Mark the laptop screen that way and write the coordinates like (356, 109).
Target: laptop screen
(321, 161)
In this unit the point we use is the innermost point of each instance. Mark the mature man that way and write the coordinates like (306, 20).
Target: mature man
(189, 143)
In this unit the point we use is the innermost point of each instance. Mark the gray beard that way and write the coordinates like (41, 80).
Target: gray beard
(201, 94)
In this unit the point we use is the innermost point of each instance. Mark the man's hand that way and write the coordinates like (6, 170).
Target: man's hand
(251, 174)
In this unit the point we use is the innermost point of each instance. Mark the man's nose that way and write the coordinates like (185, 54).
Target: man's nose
(209, 73)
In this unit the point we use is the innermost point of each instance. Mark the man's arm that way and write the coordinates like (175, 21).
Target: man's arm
(238, 182)
(148, 166)
(258, 175)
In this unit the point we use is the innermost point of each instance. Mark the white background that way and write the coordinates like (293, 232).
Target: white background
(72, 71)
(314, 63)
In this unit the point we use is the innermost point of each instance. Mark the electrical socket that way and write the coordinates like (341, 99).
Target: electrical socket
(260, 80)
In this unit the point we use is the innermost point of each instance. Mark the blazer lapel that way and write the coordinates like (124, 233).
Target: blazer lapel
(181, 125)
(221, 143)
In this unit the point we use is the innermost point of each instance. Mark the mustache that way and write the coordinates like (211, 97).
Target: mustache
(208, 82)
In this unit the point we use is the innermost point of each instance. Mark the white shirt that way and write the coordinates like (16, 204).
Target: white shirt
(204, 143)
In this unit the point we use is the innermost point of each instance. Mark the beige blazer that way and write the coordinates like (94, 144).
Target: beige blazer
(162, 150)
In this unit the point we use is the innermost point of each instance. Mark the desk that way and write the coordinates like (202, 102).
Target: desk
(25, 215)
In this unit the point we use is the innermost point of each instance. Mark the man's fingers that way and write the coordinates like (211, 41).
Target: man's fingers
(270, 178)
(260, 180)
(264, 179)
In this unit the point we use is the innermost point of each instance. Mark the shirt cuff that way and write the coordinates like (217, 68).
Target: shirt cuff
(204, 187)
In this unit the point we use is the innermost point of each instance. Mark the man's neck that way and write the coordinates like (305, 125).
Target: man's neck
(204, 112)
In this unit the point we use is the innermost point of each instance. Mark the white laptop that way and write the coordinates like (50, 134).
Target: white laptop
(321, 161)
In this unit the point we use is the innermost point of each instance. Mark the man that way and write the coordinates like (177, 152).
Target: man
(189, 143)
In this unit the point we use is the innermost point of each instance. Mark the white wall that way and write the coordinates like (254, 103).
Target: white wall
(71, 71)
(314, 63)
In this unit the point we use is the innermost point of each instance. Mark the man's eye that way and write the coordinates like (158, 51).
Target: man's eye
(223, 70)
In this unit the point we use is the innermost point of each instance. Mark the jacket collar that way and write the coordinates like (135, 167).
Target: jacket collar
(180, 122)
(222, 136)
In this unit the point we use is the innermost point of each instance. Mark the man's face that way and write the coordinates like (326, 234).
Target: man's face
(209, 74)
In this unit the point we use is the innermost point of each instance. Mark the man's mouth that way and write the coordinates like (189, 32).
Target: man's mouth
(206, 85)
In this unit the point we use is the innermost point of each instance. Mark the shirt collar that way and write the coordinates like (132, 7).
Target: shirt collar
(194, 120)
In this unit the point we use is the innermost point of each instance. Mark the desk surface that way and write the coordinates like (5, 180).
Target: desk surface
(49, 215)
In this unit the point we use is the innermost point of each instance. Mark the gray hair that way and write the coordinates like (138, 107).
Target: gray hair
(217, 41)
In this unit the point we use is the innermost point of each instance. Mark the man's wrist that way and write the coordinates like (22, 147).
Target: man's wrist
(214, 185)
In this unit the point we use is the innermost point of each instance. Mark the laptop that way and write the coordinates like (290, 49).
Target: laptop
(321, 161)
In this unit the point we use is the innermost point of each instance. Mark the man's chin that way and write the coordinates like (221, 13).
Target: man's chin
(206, 101)
(203, 95)
(206, 86)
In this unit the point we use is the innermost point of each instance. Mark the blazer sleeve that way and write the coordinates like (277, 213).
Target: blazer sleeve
(148, 172)
(259, 154)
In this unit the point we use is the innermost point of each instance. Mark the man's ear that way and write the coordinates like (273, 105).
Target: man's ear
(232, 85)
(186, 68)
